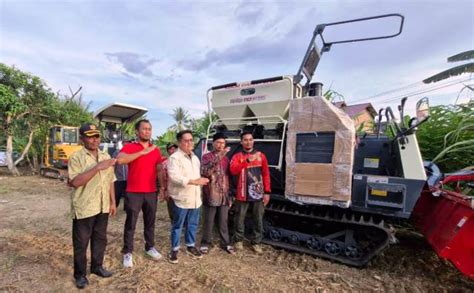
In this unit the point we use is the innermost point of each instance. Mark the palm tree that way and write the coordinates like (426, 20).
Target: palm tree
(181, 117)
(201, 125)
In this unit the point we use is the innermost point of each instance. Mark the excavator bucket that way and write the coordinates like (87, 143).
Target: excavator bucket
(446, 219)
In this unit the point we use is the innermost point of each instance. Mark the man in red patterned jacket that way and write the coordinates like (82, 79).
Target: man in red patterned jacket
(250, 167)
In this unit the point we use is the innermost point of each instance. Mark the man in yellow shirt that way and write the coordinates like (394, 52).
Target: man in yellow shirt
(92, 176)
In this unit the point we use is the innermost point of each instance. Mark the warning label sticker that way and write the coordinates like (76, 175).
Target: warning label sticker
(371, 163)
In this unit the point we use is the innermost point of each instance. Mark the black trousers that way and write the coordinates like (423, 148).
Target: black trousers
(169, 205)
(120, 192)
(210, 213)
(93, 229)
(257, 209)
(134, 203)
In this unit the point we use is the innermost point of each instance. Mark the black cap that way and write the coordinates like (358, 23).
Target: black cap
(89, 129)
(171, 145)
(245, 132)
(218, 135)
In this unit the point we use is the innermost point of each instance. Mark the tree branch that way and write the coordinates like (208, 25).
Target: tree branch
(26, 149)
(74, 94)
(23, 114)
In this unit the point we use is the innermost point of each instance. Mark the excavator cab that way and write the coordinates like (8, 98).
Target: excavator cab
(61, 142)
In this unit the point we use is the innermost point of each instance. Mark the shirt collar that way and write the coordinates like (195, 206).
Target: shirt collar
(138, 143)
(186, 155)
(100, 154)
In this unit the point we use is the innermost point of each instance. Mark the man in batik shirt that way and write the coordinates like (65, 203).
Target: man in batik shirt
(216, 200)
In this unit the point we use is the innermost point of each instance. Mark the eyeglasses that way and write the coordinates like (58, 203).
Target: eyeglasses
(187, 140)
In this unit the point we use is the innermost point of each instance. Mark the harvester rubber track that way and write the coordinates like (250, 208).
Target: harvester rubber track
(337, 234)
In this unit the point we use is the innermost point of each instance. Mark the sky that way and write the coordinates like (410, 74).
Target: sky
(166, 54)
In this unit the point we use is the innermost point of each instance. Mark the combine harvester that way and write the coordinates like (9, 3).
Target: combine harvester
(334, 194)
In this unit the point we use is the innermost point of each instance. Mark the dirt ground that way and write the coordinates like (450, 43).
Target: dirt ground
(36, 255)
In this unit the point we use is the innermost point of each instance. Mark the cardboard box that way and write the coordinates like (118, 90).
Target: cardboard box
(332, 182)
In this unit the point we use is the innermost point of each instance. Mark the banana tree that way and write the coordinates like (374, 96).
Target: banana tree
(454, 71)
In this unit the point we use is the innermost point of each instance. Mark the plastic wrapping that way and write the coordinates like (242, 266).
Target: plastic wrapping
(321, 183)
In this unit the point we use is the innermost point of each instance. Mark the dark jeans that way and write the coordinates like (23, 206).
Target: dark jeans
(120, 192)
(209, 216)
(93, 229)
(188, 218)
(257, 210)
(134, 202)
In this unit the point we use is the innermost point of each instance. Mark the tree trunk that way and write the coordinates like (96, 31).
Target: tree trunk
(35, 164)
(26, 149)
(11, 166)
(9, 151)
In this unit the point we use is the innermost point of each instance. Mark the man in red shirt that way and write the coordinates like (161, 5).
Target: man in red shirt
(250, 167)
(143, 159)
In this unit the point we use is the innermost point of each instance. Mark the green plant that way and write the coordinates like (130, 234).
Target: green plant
(447, 138)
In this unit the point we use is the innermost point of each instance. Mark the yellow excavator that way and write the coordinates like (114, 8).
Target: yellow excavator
(61, 142)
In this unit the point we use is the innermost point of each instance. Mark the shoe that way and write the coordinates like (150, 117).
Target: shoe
(239, 245)
(101, 272)
(257, 248)
(173, 256)
(127, 260)
(193, 251)
(204, 249)
(229, 249)
(153, 254)
(82, 282)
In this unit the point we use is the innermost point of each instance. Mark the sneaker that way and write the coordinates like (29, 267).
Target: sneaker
(173, 256)
(193, 251)
(153, 254)
(127, 260)
(239, 245)
(204, 249)
(229, 249)
(257, 248)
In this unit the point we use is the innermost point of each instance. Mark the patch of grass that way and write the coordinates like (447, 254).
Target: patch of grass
(3, 189)
(10, 262)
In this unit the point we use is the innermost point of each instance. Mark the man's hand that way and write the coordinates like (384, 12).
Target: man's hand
(201, 181)
(112, 209)
(148, 150)
(254, 157)
(105, 164)
(162, 195)
(266, 199)
(224, 152)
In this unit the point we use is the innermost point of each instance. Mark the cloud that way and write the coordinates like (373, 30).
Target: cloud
(133, 63)
(260, 48)
(249, 14)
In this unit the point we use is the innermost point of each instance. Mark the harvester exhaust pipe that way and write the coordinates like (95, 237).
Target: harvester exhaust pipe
(315, 89)
(401, 109)
(379, 124)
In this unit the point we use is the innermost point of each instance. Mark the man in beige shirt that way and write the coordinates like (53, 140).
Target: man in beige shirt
(184, 187)
(92, 176)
